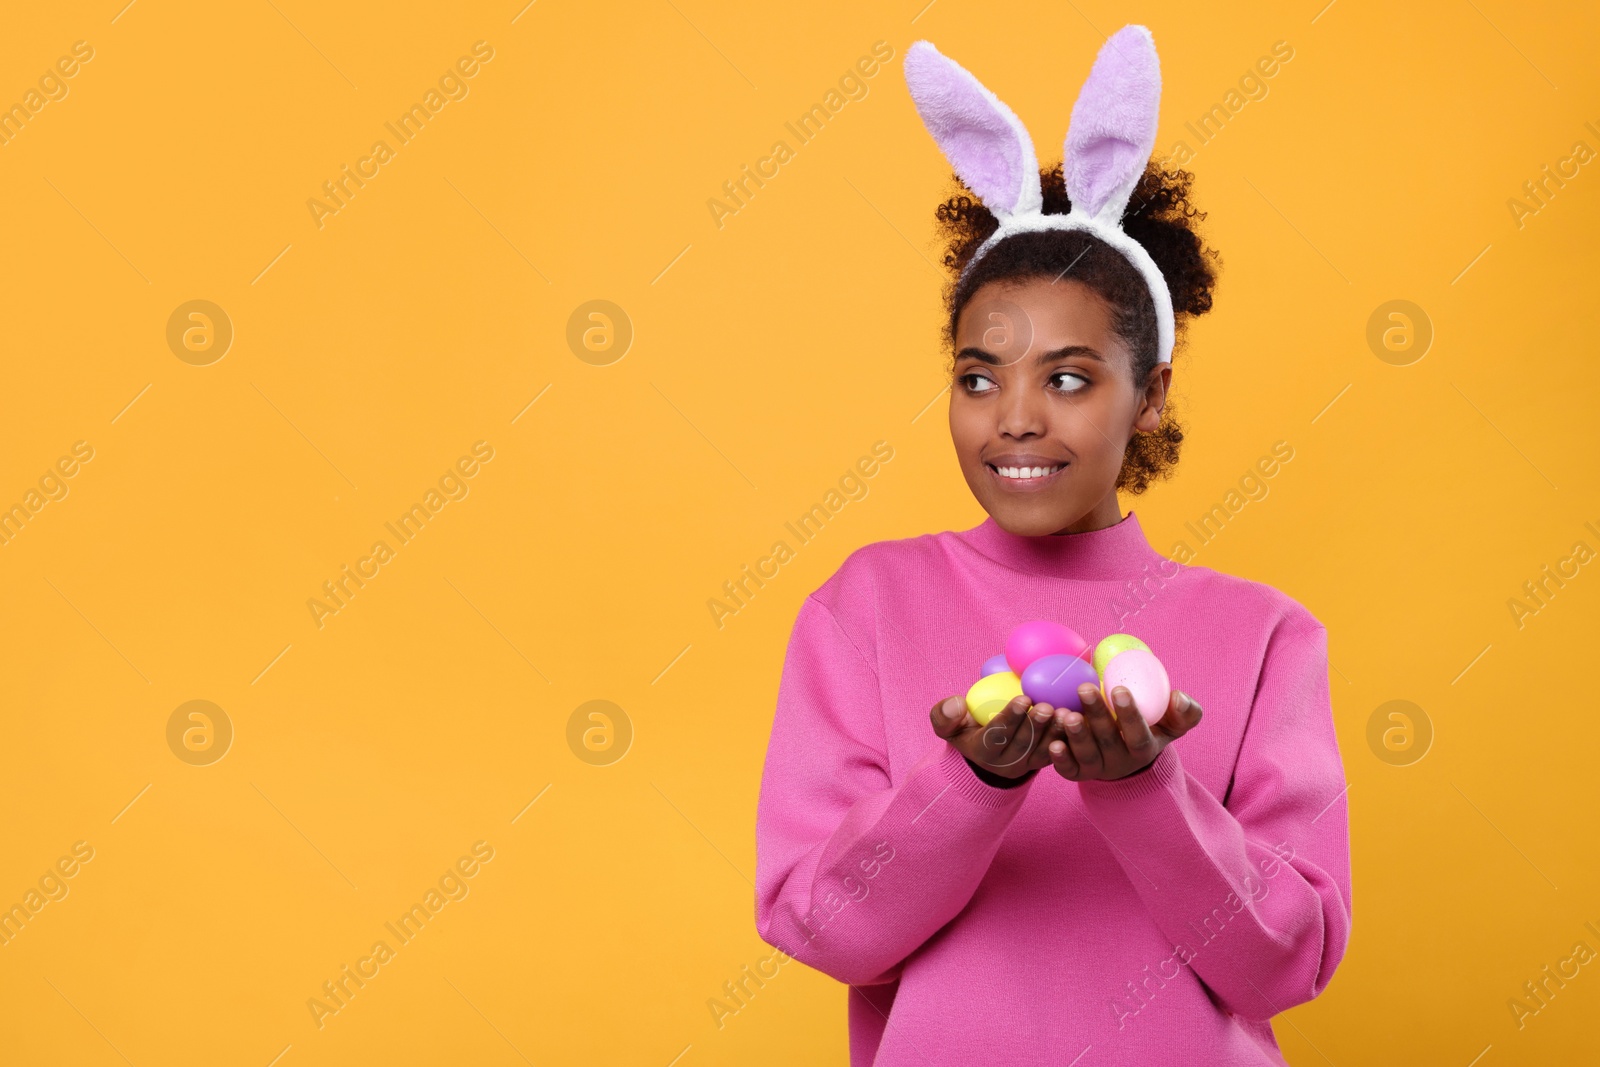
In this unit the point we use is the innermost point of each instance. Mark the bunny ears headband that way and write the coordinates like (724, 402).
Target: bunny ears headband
(1109, 142)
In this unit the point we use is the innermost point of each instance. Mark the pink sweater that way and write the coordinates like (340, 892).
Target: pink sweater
(1160, 919)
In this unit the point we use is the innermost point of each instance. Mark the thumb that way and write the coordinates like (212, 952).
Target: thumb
(948, 716)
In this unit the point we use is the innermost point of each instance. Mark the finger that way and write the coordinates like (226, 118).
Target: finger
(1137, 738)
(1059, 748)
(996, 736)
(1053, 736)
(1026, 739)
(1081, 743)
(1112, 751)
(948, 716)
(1183, 715)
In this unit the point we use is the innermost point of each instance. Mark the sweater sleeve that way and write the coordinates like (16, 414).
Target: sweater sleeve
(1257, 887)
(853, 870)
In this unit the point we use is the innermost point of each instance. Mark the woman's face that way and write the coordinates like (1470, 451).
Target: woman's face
(1042, 381)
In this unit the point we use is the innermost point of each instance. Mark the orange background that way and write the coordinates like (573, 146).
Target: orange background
(431, 712)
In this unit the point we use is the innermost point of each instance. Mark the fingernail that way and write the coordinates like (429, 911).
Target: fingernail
(1123, 699)
(1074, 722)
(1184, 706)
(952, 707)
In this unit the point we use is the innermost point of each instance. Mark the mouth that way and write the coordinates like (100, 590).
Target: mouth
(1025, 478)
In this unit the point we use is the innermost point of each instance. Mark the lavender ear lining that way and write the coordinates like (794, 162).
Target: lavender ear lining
(1108, 145)
(981, 137)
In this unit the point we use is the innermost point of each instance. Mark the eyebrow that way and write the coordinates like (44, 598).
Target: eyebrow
(1044, 357)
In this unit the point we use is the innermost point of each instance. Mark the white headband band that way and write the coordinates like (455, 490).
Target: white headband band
(1108, 146)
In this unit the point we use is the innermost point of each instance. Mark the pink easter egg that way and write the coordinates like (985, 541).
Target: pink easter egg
(1145, 679)
(1032, 640)
(994, 665)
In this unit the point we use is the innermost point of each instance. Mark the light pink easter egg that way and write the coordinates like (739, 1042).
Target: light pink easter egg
(1143, 676)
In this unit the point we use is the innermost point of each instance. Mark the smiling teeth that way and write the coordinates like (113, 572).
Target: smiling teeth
(1026, 472)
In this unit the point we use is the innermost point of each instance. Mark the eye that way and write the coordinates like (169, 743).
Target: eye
(1074, 381)
(967, 379)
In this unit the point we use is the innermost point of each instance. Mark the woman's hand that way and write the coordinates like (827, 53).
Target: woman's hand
(1101, 748)
(1017, 741)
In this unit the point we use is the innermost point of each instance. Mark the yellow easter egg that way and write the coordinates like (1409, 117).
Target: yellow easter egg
(1111, 646)
(989, 695)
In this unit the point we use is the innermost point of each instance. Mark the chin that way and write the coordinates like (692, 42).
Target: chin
(1029, 513)
(1035, 521)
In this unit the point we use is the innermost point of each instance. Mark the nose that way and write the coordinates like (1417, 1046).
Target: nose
(1022, 411)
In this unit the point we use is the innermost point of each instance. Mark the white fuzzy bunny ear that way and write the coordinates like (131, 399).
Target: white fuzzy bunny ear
(1113, 128)
(982, 138)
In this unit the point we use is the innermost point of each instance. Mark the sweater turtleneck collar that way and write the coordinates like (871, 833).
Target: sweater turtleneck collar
(1111, 554)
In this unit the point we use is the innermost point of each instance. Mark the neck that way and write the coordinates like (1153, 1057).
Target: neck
(1116, 552)
(1106, 513)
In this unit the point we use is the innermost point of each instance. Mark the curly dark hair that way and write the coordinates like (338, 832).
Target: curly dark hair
(1160, 217)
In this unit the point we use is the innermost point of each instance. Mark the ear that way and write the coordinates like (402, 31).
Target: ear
(982, 138)
(1154, 400)
(1113, 129)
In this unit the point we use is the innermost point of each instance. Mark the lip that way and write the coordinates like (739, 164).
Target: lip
(1026, 485)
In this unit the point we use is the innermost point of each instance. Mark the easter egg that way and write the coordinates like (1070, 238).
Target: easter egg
(1033, 640)
(1111, 646)
(1054, 680)
(990, 694)
(994, 665)
(1142, 675)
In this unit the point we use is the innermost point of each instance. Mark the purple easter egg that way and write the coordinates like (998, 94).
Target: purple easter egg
(1040, 638)
(1054, 680)
(994, 665)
